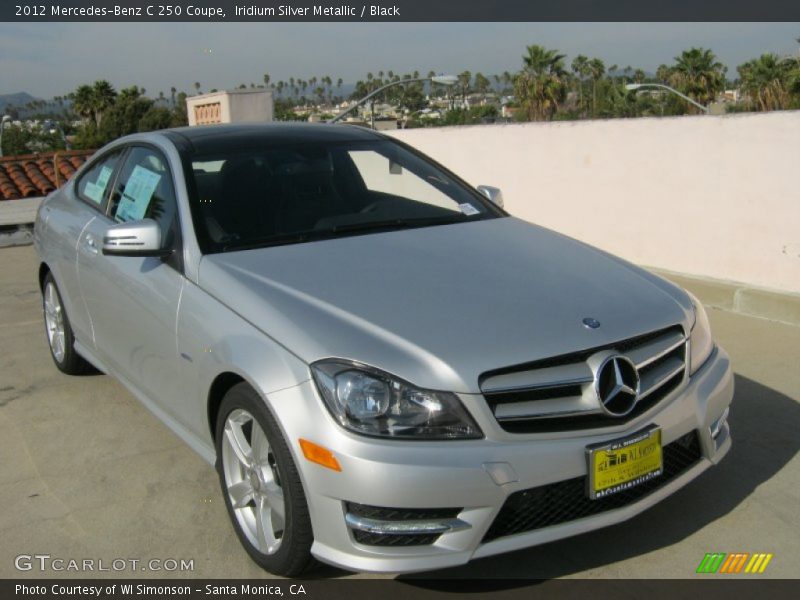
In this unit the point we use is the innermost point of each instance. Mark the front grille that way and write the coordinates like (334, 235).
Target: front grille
(565, 501)
(381, 513)
(557, 394)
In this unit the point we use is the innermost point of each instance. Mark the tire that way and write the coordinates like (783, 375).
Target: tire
(256, 474)
(60, 338)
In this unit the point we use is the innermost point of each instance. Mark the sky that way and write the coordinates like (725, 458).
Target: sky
(49, 59)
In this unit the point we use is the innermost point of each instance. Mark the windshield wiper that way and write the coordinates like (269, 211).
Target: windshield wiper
(393, 223)
(367, 225)
(275, 240)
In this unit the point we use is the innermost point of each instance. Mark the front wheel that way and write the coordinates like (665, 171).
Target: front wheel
(261, 486)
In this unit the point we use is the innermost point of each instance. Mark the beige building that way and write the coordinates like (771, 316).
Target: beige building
(236, 106)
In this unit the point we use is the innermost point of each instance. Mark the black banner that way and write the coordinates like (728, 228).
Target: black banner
(399, 10)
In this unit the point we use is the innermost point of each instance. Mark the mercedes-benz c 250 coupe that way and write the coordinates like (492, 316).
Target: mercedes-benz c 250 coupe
(389, 372)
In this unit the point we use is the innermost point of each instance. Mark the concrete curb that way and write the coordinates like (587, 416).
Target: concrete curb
(740, 297)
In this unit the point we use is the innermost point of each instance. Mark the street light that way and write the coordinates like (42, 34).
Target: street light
(3, 121)
(447, 80)
(636, 86)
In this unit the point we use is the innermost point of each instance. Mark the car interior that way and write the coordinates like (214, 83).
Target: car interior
(286, 191)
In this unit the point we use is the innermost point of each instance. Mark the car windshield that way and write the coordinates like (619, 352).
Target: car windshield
(295, 194)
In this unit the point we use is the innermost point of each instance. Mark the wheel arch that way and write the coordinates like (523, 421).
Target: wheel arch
(221, 385)
(44, 269)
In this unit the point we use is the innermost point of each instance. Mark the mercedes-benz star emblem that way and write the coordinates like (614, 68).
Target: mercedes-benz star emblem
(617, 385)
(591, 323)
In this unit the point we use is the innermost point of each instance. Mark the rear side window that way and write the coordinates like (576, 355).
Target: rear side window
(95, 183)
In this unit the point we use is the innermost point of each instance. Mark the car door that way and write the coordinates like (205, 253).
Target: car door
(66, 216)
(133, 301)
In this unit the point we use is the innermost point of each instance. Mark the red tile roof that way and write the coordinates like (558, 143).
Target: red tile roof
(38, 174)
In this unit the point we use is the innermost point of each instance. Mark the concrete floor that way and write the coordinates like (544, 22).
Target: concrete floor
(87, 472)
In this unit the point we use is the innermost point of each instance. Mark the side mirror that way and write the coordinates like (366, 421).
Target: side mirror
(494, 194)
(136, 238)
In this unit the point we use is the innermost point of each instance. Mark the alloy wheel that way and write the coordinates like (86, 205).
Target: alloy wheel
(253, 482)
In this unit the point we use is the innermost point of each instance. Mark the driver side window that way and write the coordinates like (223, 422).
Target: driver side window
(144, 190)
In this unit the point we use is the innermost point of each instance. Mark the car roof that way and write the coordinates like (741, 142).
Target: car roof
(236, 137)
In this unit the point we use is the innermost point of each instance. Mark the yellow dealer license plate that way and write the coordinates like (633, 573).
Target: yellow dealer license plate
(621, 464)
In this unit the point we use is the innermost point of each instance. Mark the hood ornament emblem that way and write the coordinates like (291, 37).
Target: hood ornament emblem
(591, 323)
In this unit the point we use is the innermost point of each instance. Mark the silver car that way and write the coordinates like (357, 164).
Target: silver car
(389, 372)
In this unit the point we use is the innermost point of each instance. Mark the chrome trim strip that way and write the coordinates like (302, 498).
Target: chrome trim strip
(661, 381)
(422, 526)
(643, 363)
(717, 426)
(538, 386)
(576, 373)
(551, 415)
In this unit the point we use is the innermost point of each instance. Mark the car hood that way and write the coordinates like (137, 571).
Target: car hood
(438, 306)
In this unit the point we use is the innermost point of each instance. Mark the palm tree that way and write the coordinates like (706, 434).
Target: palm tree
(767, 81)
(266, 79)
(697, 74)
(172, 91)
(580, 66)
(597, 69)
(103, 97)
(83, 102)
(482, 83)
(464, 79)
(541, 85)
(662, 73)
(197, 86)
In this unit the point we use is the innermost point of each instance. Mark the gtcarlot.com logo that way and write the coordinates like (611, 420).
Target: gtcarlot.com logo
(46, 562)
(736, 562)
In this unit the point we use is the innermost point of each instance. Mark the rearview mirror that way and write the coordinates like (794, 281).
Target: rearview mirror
(494, 194)
(136, 238)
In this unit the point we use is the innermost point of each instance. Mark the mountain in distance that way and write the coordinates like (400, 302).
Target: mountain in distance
(20, 99)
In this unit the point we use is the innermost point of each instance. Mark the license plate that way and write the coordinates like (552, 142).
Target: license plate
(622, 464)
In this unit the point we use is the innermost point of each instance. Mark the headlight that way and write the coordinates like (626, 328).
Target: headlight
(371, 402)
(700, 342)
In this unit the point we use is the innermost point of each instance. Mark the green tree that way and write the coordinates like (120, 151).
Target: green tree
(464, 80)
(83, 102)
(597, 69)
(482, 83)
(156, 117)
(580, 66)
(103, 98)
(541, 86)
(699, 75)
(768, 81)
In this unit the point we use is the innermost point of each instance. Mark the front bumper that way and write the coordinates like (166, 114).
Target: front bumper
(478, 475)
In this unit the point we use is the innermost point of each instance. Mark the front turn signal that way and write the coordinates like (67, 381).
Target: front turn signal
(319, 455)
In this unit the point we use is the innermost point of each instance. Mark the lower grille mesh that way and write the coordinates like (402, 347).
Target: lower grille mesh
(381, 539)
(565, 501)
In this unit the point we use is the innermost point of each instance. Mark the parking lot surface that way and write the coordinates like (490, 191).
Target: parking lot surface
(86, 472)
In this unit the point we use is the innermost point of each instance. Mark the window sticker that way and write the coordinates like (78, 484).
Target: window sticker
(137, 195)
(468, 209)
(95, 191)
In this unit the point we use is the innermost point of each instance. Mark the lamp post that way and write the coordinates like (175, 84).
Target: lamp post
(3, 121)
(440, 79)
(637, 86)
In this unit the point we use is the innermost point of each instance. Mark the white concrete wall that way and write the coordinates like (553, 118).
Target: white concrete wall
(711, 196)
